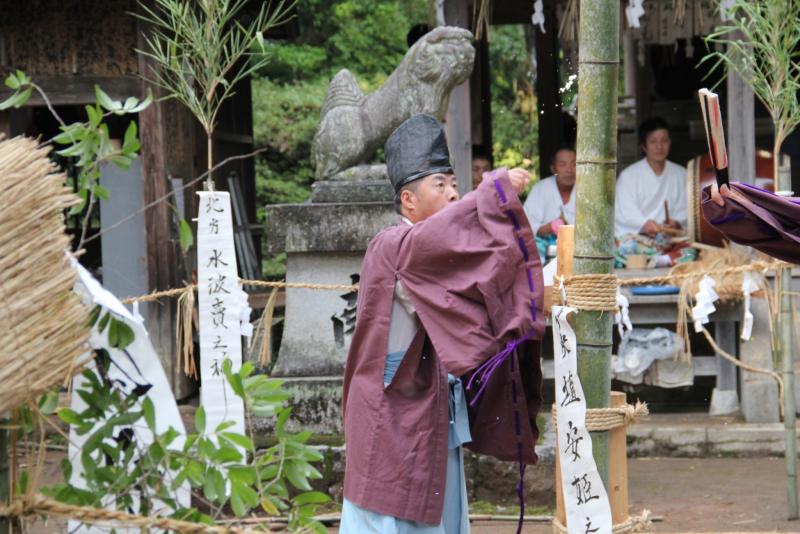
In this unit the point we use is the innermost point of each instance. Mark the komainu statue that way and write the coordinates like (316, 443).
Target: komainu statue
(354, 125)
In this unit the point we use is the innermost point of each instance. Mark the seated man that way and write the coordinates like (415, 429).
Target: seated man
(551, 202)
(480, 165)
(651, 193)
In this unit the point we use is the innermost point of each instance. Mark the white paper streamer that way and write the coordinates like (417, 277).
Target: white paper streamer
(622, 316)
(726, 10)
(137, 365)
(704, 302)
(222, 307)
(585, 497)
(749, 286)
(634, 12)
(538, 15)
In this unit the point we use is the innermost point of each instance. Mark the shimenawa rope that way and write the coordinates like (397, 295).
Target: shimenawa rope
(39, 504)
(640, 523)
(602, 419)
(580, 283)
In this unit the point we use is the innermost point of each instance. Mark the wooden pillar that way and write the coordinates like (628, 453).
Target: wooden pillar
(629, 62)
(5, 124)
(160, 232)
(458, 123)
(741, 128)
(547, 84)
(481, 98)
(565, 252)
(618, 466)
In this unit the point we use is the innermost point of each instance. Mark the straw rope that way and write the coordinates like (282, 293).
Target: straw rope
(640, 523)
(43, 325)
(595, 292)
(760, 265)
(603, 419)
(177, 292)
(578, 282)
(737, 362)
(39, 504)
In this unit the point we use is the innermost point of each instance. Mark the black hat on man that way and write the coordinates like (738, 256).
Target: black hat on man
(416, 149)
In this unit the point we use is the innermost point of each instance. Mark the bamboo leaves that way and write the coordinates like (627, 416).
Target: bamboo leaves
(201, 50)
(761, 42)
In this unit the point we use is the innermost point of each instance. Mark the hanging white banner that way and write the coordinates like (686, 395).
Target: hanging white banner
(585, 497)
(133, 370)
(222, 305)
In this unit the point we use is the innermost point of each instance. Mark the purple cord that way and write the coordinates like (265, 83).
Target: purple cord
(484, 372)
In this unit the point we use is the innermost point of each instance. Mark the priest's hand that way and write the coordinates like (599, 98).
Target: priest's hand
(718, 193)
(519, 179)
(650, 227)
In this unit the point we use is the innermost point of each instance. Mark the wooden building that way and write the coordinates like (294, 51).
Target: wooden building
(69, 46)
(660, 75)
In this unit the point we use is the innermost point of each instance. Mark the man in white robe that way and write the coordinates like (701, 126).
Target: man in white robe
(551, 201)
(643, 188)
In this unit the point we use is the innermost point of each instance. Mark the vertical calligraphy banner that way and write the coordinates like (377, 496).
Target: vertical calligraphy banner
(585, 497)
(222, 307)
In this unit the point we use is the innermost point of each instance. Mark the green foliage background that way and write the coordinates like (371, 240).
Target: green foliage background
(368, 37)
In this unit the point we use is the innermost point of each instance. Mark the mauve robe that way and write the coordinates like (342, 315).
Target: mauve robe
(758, 218)
(474, 278)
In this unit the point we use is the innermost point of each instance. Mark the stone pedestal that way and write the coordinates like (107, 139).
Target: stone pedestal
(324, 240)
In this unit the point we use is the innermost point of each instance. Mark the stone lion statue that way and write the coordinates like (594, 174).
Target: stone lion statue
(353, 125)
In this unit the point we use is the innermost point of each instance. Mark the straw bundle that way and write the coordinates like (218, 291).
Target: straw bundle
(43, 325)
(728, 286)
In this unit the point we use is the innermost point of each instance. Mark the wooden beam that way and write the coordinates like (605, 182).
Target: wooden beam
(741, 128)
(79, 90)
(458, 123)
(511, 13)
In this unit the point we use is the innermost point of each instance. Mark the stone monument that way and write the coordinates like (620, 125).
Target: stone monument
(351, 201)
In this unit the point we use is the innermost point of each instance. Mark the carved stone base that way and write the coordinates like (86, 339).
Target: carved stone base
(325, 244)
(356, 191)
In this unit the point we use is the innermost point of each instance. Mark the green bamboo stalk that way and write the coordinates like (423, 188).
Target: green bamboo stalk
(785, 342)
(596, 176)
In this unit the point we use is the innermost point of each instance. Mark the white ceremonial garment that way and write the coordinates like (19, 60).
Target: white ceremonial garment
(544, 204)
(641, 195)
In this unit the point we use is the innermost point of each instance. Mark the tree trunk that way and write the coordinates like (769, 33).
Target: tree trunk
(596, 176)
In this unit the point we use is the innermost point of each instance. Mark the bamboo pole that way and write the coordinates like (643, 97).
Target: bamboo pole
(789, 407)
(785, 342)
(596, 175)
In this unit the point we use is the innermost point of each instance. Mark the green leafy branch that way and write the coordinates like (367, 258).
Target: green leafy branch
(89, 141)
(201, 51)
(761, 43)
(223, 468)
